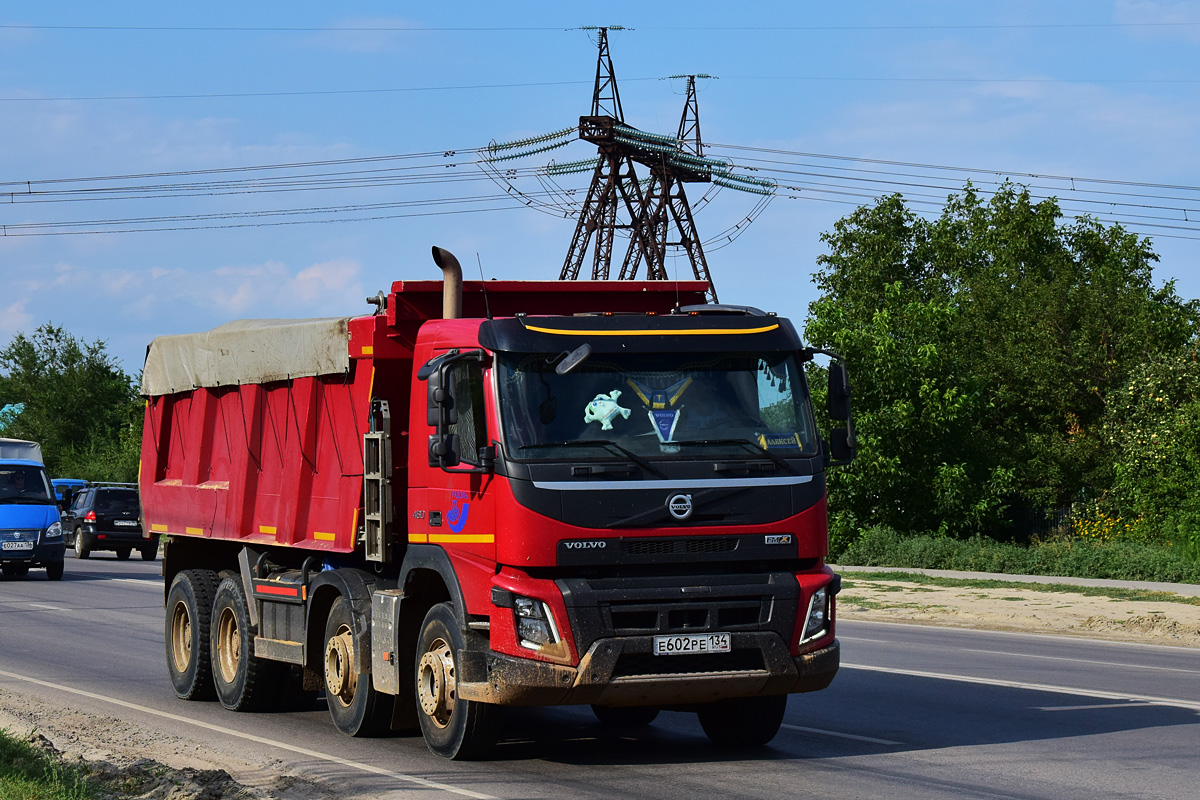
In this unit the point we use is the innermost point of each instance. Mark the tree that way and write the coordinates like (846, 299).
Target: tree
(983, 346)
(79, 404)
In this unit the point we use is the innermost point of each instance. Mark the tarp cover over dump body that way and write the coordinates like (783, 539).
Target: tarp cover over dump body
(247, 351)
(253, 430)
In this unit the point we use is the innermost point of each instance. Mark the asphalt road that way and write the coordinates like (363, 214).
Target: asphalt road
(916, 712)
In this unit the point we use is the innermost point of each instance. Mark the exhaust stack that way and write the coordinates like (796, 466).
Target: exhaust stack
(452, 287)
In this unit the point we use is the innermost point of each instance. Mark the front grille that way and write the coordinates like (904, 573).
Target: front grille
(639, 664)
(676, 616)
(659, 547)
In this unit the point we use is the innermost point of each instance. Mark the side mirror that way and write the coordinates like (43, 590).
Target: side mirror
(443, 450)
(839, 391)
(841, 449)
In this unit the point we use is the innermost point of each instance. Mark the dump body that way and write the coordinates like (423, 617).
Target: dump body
(604, 493)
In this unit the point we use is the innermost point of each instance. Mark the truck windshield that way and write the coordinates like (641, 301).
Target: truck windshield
(654, 405)
(23, 484)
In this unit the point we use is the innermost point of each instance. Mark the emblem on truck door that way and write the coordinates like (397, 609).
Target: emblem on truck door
(680, 506)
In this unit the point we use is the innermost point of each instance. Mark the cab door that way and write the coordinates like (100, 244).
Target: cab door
(454, 508)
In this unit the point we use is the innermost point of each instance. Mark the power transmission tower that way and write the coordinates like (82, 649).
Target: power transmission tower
(665, 207)
(615, 193)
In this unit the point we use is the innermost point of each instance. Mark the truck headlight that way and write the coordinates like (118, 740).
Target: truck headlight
(54, 531)
(816, 622)
(535, 623)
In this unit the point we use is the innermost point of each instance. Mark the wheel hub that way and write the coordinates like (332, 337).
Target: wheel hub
(437, 687)
(229, 645)
(181, 637)
(340, 678)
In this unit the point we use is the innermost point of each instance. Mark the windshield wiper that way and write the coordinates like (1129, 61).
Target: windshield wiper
(643, 463)
(745, 442)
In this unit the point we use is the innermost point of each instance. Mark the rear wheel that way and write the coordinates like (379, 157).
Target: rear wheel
(150, 552)
(189, 610)
(54, 571)
(625, 716)
(123, 553)
(453, 727)
(82, 548)
(356, 708)
(243, 681)
(743, 722)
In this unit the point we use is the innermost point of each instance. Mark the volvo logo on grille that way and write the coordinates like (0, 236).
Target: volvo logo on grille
(592, 545)
(680, 506)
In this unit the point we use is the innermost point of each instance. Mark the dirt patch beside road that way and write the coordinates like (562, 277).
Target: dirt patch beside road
(1018, 607)
(123, 760)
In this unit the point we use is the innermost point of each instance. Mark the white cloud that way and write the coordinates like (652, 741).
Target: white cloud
(15, 319)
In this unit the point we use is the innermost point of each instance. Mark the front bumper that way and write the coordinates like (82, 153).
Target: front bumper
(41, 554)
(622, 671)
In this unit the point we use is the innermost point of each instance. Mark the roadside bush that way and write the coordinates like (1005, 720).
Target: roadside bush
(1064, 556)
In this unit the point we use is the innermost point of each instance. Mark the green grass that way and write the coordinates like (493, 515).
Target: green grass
(1113, 593)
(1077, 558)
(28, 773)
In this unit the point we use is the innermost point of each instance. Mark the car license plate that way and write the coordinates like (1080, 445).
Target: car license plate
(17, 546)
(125, 523)
(691, 643)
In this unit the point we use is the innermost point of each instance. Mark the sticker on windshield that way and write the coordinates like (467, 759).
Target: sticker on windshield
(604, 409)
(773, 441)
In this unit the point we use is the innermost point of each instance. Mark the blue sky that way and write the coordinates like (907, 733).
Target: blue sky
(1099, 90)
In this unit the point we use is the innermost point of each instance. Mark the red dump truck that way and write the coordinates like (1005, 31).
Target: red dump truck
(606, 493)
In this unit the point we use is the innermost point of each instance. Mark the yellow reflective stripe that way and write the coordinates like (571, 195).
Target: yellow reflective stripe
(462, 538)
(689, 332)
(158, 528)
(194, 531)
(368, 350)
(418, 538)
(267, 529)
(323, 536)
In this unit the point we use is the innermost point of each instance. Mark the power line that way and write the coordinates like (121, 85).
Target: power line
(483, 29)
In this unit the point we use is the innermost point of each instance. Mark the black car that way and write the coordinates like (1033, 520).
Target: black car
(108, 517)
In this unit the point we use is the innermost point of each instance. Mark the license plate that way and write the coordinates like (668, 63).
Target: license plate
(17, 546)
(125, 523)
(691, 643)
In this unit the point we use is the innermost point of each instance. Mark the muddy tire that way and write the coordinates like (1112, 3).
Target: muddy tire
(189, 609)
(82, 548)
(242, 681)
(453, 727)
(356, 708)
(625, 716)
(54, 571)
(743, 722)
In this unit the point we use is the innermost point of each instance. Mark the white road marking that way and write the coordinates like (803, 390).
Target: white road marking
(1086, 661)
(345, 762)
(853, 736)
(1094, 707)
(1192, 705)
(49, 608)
(1077, 639)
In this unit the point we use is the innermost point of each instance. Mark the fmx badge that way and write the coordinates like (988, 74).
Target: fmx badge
(778, 538)
(680, 506)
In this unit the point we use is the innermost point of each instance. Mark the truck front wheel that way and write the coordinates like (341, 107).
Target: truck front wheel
(453, 727)
(357, 709)
(243, 681)
(189, 608)
(743, 722)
